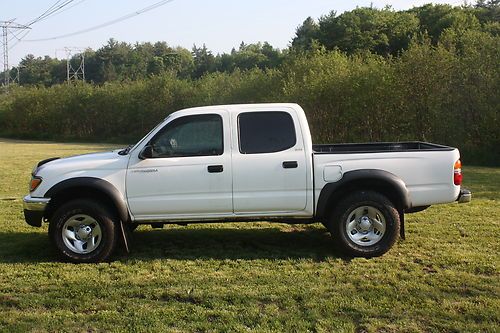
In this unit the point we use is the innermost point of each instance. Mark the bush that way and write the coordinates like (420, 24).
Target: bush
(446, 94)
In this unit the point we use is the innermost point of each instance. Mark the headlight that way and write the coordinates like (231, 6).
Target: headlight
(34, 183)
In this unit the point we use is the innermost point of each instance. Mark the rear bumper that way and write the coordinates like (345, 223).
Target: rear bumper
(464, 196)
(34, 208)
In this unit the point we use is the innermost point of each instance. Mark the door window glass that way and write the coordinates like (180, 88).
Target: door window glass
(266, 132)
(199, 135)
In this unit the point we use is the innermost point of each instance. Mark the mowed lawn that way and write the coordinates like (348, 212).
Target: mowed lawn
(258, 277)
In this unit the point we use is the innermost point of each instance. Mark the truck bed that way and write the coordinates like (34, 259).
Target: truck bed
(425, 168)
(378, 147)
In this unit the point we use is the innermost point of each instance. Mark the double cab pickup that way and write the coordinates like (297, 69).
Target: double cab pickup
(242, 163)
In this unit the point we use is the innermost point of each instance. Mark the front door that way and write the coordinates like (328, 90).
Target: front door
(189, 173)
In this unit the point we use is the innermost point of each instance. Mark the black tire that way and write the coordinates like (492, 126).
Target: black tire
(73, 210)
(345, 215)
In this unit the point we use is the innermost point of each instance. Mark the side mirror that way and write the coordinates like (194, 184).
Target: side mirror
(146, 152)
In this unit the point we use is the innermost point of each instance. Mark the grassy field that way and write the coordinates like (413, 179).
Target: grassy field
(252, 277)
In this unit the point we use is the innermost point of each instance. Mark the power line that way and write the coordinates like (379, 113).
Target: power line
(122, 18)
(45, 12)
(68, 8)
(19, 39)
(51, 11)
(42, 16)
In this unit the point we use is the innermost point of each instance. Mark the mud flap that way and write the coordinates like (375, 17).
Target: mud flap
(402, 225)
(125, 237)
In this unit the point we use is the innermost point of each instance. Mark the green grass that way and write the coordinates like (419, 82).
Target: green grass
(258, 277)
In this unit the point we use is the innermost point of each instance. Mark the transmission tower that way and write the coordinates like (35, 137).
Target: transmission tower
(7, 26)
(77, 72)
(17, 76)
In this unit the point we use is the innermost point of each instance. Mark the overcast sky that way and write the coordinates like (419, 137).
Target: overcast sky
(220, 24)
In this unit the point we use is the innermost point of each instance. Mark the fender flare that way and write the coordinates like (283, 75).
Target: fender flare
(98, 184)
(367, 179)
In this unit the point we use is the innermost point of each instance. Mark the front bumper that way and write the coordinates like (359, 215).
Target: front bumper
(34, 208)
(464, 196)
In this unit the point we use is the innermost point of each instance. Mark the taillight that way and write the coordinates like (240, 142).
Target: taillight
(457, 173)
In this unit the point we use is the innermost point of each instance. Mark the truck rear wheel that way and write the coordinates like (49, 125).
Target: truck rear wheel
(365, 224)
(83, 231)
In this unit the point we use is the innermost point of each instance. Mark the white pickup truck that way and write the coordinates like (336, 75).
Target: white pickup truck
(240, 163)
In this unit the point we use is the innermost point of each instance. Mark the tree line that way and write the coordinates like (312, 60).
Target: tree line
(381, 31)
(375, 78)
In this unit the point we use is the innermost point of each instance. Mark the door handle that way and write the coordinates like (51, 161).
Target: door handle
(290, 164)
(215, 168)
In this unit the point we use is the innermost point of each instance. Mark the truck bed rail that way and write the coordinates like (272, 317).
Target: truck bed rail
(378, 147)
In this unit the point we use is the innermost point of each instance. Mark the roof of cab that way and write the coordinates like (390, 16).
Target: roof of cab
(239, 107)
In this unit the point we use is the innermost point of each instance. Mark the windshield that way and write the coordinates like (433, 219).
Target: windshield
(147, 135)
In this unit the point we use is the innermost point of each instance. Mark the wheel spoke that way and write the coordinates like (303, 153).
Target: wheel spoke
(73, 222)
(372, 236)
(351, 226)
(87, 220)
(69, 234)
(91, 244)
(358, 236)
(372, 212)
(96, 231)
(79, 246)
(358, 212)
(378, 225)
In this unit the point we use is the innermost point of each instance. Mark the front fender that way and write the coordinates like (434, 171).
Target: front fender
(92, 183)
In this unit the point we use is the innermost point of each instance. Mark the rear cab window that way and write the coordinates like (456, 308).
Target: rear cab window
(266, 132)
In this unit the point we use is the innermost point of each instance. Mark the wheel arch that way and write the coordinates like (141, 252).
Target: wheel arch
(86, 187)
(376, 180)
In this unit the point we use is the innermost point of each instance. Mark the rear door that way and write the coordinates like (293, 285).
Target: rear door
(269, 162)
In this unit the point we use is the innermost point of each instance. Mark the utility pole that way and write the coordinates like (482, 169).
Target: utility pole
(6, 27)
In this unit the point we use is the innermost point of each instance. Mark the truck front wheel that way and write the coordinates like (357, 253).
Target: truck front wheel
(83, 231)
(365, 224)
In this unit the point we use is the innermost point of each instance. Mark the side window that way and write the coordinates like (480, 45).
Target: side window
(265, 132)
(199, 135)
